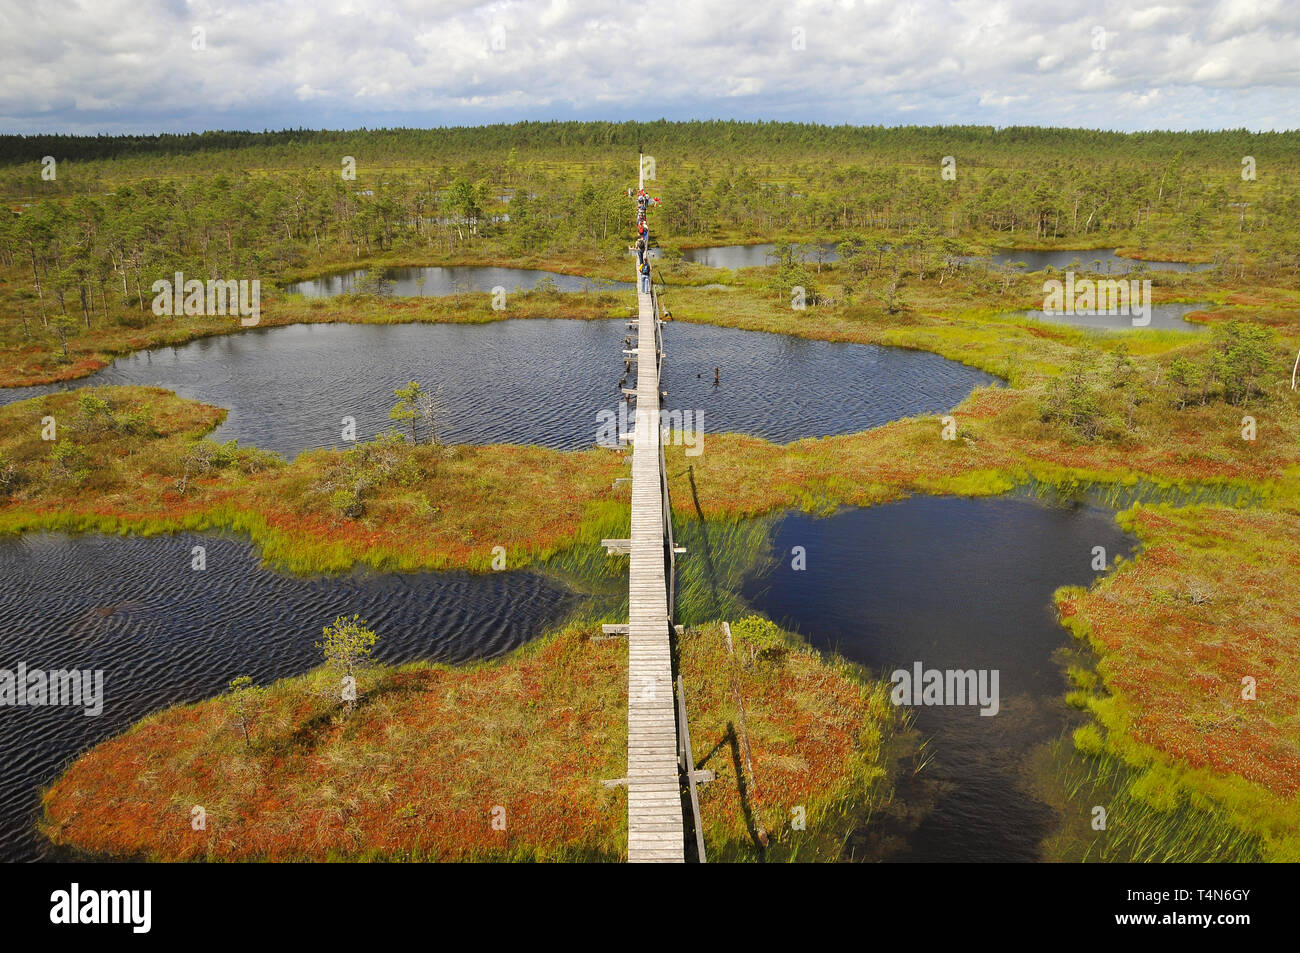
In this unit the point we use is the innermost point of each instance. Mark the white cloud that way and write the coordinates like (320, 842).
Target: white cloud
(992, 99)
(1148, 17)
(1140, 100)
(116, 65)
(1214, 70)
(1098, 78)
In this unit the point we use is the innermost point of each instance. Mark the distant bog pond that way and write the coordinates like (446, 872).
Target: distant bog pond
(951, 584)
(439, 282)
(1164, 317)
(754, 256)
(534, 381)
(1103, 260)
(165, 634)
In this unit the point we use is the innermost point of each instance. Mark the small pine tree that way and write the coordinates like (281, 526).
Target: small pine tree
(408, 406)
(1187, 376)
(246, 700)
(347, 646)
(63, 325)
(1241, 355)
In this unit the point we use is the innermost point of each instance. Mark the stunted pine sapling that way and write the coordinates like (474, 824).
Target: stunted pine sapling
(416, 405)
(347, 646)
(246, 703)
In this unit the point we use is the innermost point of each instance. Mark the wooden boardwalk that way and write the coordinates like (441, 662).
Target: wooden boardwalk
(654, 794)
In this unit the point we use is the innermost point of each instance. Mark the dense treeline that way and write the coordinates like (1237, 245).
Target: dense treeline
(88, 254)
(1068, 200)
(702, 137)
(122, 212)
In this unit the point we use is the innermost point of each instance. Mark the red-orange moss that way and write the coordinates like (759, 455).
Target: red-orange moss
(419, 767)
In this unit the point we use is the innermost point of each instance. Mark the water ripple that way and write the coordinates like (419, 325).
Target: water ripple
(164, 634)
(533, 381)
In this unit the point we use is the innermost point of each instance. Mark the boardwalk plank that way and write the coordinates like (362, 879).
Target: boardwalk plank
(654, 807)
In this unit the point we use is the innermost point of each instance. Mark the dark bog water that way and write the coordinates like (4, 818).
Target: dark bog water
(1164, 317)
(1103, 260)
(164, 634)
(532, 381)
(755, 256)
(954, 584)
(456, 279)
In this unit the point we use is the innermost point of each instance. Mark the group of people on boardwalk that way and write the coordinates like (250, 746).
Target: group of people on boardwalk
(643, 202)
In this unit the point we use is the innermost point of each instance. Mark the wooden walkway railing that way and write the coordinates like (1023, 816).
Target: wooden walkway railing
(658, 743)
(654, 801)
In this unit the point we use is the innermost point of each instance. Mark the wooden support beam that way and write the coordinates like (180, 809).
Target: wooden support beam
(702, 776)
(620, 547)
(610, 628)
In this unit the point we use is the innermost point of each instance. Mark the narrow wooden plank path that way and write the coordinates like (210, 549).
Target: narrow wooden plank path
(654, 803)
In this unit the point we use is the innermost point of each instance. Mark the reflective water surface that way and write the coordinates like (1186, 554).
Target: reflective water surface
(534, 381)
(953, 584)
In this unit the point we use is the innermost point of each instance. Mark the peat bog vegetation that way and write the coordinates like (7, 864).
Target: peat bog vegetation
(1177, 668)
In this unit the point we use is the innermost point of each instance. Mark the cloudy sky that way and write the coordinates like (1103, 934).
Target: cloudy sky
(179, 65)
